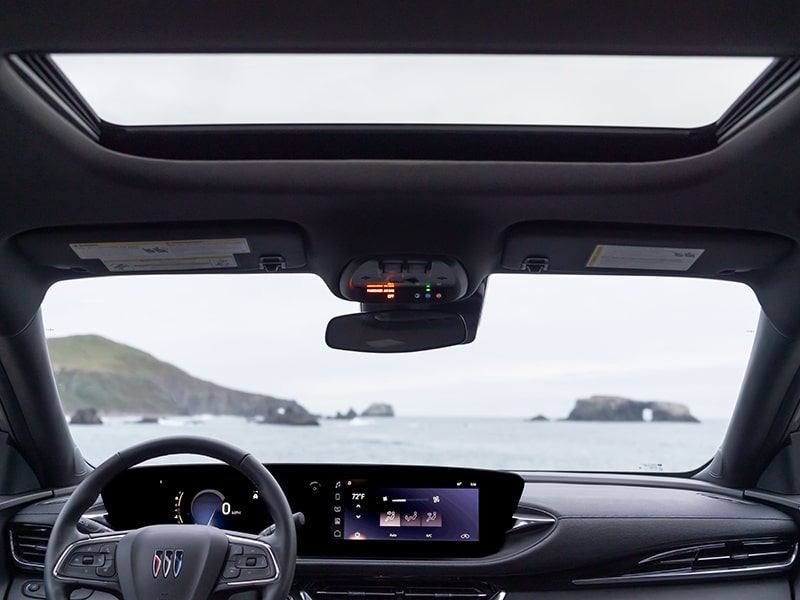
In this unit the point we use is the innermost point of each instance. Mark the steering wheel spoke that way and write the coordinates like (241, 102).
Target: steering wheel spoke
(250, 563)
(91, 563)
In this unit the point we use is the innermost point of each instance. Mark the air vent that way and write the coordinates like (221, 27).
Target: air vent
(528, 517)
(29, 544)
(365, 593)
(733, 557)
(440, 593)
(412, 593)
(724, 555)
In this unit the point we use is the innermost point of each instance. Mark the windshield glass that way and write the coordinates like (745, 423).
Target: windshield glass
(566, 373)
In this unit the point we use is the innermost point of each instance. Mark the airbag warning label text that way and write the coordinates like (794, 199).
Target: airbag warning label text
(170, 255)
(643, 257)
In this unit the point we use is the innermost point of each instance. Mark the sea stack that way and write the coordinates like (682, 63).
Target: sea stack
(378, 409)
(616, 408)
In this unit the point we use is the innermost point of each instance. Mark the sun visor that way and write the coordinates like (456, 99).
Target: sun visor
(640, 250)
(222, 248)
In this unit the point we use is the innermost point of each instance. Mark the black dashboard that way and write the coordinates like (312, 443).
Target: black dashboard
(495, 535)
(352, 511)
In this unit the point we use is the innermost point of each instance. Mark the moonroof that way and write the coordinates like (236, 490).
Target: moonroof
(197, 89)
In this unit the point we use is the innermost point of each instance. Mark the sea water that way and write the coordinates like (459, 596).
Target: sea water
(492, 443)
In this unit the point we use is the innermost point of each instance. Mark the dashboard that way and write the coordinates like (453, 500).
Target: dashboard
(353, 511)
(370, 532)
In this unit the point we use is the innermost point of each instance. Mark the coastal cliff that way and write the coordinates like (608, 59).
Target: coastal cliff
(93, 372)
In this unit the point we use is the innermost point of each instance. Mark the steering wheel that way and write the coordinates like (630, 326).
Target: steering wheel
(172, 562)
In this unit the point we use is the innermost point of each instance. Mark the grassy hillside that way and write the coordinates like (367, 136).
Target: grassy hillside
(96, 354)
(94, 372)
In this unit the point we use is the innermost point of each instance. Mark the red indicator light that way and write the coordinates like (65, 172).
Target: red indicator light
(439, 296)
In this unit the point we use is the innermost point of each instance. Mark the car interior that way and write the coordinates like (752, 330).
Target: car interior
(408, 221)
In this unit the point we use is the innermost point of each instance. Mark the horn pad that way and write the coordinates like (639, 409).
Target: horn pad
(171, 562)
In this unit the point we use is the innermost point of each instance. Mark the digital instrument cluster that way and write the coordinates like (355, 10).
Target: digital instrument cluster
(192, 494)
(387, 511)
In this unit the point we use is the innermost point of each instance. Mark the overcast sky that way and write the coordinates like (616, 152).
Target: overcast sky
(346, 88)
(544, 341)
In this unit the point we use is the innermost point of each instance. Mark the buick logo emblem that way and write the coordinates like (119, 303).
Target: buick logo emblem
(167, 562)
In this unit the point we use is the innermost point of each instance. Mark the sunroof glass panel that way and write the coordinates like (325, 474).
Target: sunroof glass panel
(197, 89)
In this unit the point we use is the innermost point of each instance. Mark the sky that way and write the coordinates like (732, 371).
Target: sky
(543, 342)
(397, 88)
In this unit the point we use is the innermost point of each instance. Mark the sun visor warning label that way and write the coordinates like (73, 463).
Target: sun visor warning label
(174, 255)
(643, 257)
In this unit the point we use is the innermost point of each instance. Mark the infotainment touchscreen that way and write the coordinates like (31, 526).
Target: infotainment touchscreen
(363, 511)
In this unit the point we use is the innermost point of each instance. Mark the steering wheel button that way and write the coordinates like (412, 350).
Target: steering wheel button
(231, 571)
(108, 549)
(79, 572)
(236, 549)
(252, 562)
(108, 570)
(256, 574)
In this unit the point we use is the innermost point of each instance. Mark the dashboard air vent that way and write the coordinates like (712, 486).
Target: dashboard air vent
(724, 555)
(716, 559)
(392, 593)
(439, 594)
(29, 544)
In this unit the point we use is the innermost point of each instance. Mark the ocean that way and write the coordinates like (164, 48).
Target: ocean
(492, 443)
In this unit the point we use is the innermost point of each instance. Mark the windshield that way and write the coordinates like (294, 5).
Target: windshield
(566, 373)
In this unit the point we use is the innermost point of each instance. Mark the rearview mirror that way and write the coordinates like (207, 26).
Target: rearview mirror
(396, 331)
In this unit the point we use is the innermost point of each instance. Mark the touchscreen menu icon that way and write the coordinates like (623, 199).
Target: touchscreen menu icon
(432, 519)
(410, 519)
(390, 518)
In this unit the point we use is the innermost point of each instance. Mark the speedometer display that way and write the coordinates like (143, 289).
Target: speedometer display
(211, 507)
(206, 507)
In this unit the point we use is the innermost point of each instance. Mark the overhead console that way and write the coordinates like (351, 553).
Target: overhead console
(350, 511)
(417, 281)
(408, 304)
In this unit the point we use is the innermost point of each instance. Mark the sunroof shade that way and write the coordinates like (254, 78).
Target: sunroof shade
(197, 89)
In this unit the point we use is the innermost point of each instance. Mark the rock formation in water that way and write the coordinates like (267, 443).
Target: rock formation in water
(614, 408)
(292, 414)
(86, 416)
(348, 416)
(378, 409)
